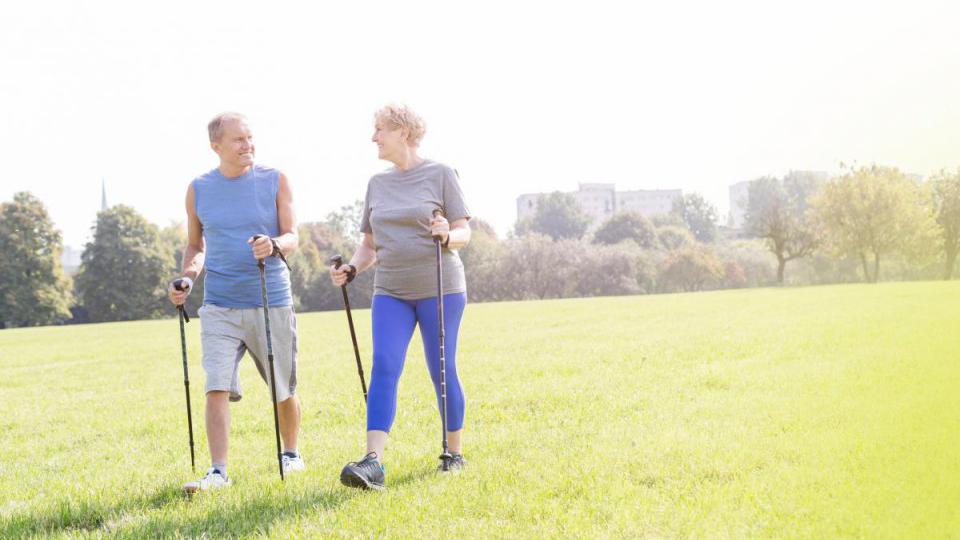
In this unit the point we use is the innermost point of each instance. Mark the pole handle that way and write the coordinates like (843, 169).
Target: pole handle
(437, 212)
(178, 285)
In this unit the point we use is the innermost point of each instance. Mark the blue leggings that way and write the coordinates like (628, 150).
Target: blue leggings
(393, 323)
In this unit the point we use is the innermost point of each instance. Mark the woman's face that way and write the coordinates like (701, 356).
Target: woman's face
(390, 140)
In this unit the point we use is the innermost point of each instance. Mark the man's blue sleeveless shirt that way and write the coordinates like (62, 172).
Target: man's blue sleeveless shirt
(231, 210)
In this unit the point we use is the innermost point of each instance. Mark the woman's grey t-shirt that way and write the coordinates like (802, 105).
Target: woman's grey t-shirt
(397, 211)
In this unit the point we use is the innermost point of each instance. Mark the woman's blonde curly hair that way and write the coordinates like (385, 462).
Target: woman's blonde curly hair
(403, 117)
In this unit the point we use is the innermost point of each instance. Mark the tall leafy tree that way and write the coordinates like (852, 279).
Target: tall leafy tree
(946, 193)
(874, 212)
(670, 237)
(310, 279)
(626, 225)
(777, 213)
(558, 216)
(481, 225)
(691, 268)
(346, 221)
(698, 214)
(174, 239)
(33, 288)
(125, 268)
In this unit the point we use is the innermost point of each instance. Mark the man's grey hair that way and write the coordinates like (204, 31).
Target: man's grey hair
(215, 127)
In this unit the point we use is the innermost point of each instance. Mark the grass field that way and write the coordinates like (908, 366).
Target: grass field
(810, 413)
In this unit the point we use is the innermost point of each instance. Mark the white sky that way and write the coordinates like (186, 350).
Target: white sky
(519, 96)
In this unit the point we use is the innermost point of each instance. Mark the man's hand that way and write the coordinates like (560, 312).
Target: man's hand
(179, 290)
(262, 245)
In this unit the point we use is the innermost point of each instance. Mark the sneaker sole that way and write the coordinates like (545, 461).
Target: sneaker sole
(351, 479)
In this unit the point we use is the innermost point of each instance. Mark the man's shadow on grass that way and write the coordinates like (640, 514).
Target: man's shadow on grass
(232, 519)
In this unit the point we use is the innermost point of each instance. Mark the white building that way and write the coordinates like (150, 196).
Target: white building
(600, 201)
(739, 195)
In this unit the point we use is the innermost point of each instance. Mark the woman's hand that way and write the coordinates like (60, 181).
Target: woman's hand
(440, 227)
(343, 275)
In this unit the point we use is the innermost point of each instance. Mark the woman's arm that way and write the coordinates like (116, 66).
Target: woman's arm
(453, 235)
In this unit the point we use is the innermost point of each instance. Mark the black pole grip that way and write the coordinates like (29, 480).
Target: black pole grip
(178, 285)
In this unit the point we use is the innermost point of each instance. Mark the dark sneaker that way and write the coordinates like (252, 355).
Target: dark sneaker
(364, 474)
(452, 463)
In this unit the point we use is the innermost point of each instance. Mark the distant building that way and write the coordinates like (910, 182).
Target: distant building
(600, 201)
(739, 196)
(70, 258)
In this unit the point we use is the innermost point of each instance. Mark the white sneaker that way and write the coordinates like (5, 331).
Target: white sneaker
(214, 479)
(293, 464)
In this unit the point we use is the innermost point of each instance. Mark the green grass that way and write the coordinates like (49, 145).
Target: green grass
(810, 413)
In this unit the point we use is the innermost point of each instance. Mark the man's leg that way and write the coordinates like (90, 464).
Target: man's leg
(289, 412)
(218, 425)
(220, 336)
(283, 334)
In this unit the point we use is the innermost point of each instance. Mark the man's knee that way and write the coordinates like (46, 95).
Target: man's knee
(218, 396)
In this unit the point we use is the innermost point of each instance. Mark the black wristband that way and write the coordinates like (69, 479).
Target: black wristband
(351, 272)
(276, 248)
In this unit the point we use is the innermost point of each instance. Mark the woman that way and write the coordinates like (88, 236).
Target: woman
(398, 230)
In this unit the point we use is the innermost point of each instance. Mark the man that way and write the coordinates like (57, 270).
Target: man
(238, 214)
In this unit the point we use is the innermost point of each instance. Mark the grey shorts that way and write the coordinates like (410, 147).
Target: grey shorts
(227, 333)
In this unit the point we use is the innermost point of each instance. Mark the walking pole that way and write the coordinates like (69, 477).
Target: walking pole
(337, 261)
(178, 285)
(273, 378)
(445, 457)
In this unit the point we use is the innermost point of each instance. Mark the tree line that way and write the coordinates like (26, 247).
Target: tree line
(835, 230)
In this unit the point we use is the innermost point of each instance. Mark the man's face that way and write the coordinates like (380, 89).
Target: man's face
(235, 146)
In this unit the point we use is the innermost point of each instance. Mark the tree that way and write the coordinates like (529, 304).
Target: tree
(310, 280)
(753, 260)
(671, 237)
(33, 288)
(626, 225)
(174, 239)
(307, 269)
(481, 264)
(125, 269)
(873, 212)
(558, 216)
(617, 270)
(534, 266)
(699, 215)
(347, 220)
(693, 268)
(946, 193)
(481, 225)
(776, 212)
